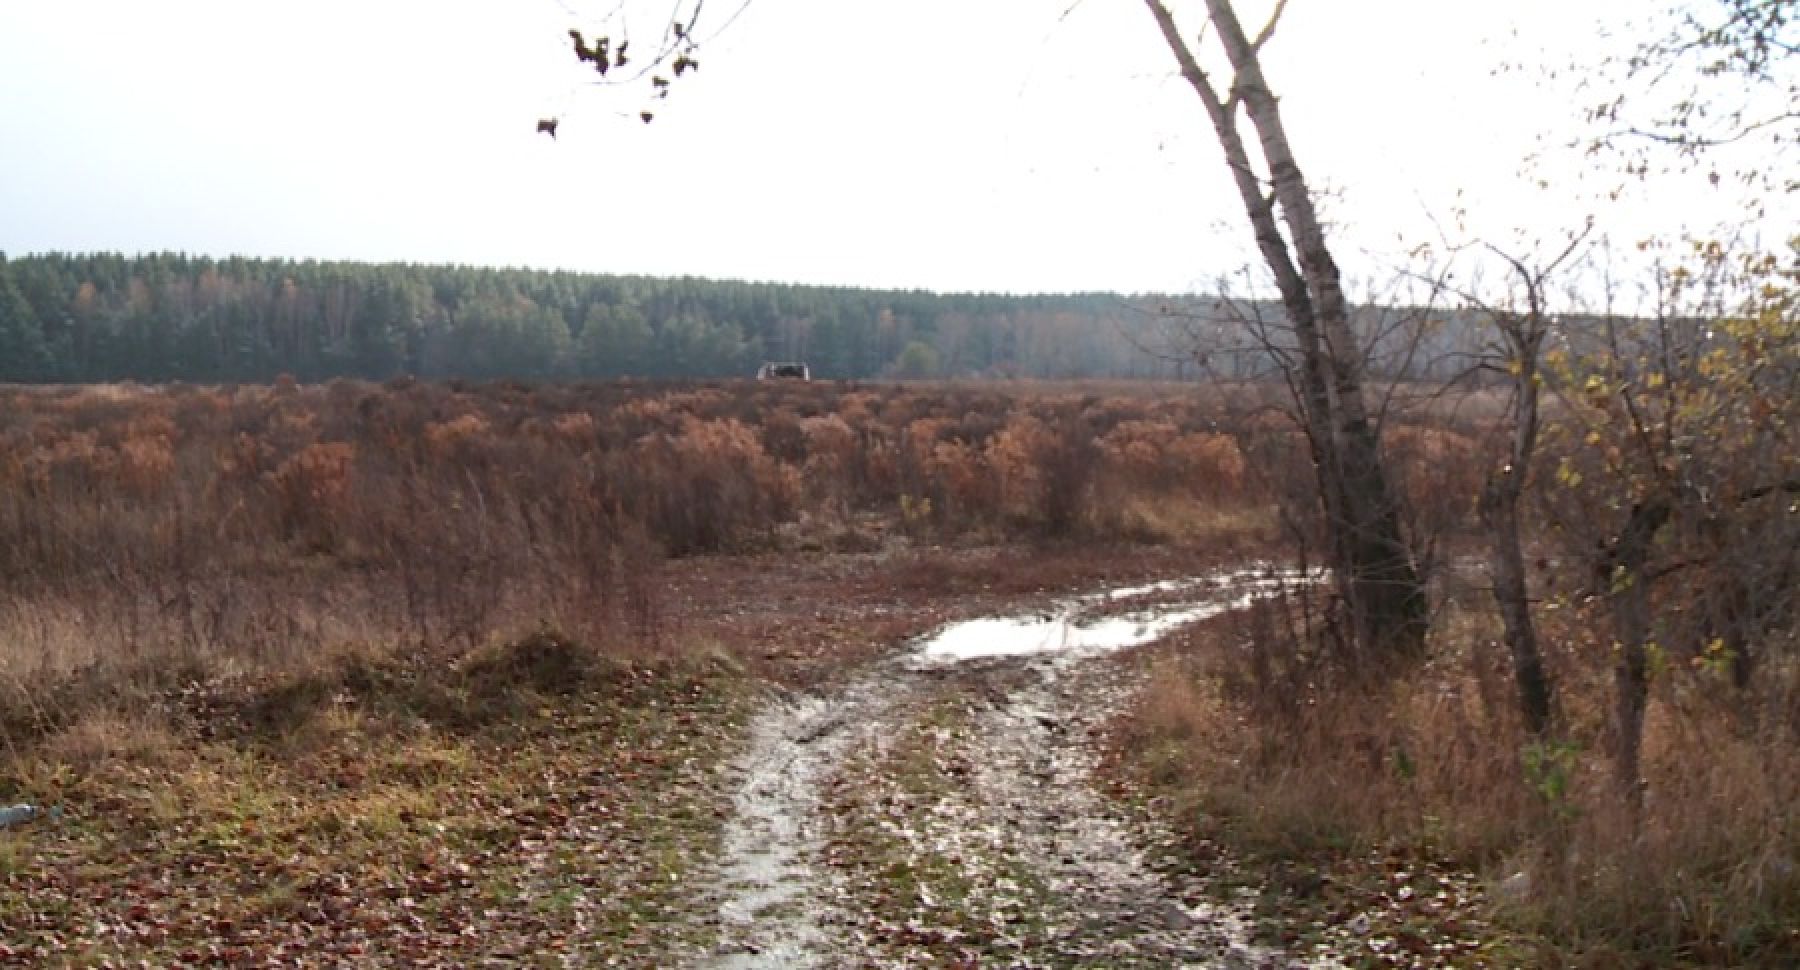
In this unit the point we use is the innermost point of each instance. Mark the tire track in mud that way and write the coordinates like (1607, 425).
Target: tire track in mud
(1102, 901)
(1023, 819)
(774, 911)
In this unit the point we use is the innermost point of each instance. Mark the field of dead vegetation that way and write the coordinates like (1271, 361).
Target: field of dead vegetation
(420, 671)
(254, 528)
(438, 673)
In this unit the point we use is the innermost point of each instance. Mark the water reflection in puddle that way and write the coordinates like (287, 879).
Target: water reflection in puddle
(1084, 624)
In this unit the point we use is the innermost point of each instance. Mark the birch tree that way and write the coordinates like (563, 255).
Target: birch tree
(1374, 565)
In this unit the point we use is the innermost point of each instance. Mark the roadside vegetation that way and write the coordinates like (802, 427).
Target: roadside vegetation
(1575, 669)
(1632, 800)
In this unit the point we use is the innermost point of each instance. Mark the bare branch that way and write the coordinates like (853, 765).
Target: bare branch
(1262, 36)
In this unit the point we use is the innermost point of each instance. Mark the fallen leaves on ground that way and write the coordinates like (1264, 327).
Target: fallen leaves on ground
(562, 833)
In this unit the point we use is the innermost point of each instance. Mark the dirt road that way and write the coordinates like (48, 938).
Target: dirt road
(938, 809)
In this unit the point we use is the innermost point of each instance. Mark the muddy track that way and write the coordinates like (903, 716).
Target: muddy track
(972, 777)
(774, 911)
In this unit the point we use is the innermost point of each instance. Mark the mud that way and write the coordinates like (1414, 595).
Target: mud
(774, 912)
(1063, 875)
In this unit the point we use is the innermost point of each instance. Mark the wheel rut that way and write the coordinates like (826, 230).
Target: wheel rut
(939, 808)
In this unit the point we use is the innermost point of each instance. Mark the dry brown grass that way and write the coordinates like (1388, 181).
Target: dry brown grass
(409, 809)
(153, 534)
(409, 547)
(1271, 758)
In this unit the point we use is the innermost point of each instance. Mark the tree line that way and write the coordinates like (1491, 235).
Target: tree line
(170, 316)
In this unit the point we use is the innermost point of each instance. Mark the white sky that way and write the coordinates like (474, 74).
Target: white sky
(942, 144)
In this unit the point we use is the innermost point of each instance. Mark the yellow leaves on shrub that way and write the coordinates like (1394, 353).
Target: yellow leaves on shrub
(955, 468)
(444, 438)
(313, 492)
(880, 463)
(648, 410)
(317, 477)
(1015, 456)
(76, 456)
(1137, 452)
(830, 443)
(294, 426)
(1210, 463)
(729, 445)
(831, 450)
(146, 462)
(711, 485)
(1158, 455)
(245, 458)
(576, 426)
(78, 447)
(152, 424)
(858, 408)
(918, 442)
(146, 452)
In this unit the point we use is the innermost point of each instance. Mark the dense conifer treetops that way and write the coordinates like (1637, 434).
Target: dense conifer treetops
(168, 316)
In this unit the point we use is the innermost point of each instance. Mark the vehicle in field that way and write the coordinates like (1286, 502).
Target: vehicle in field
(784, 370)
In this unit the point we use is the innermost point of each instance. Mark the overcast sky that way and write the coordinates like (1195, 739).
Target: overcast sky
(1011, 145)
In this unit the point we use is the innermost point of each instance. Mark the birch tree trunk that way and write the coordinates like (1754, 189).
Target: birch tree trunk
(1374, 565)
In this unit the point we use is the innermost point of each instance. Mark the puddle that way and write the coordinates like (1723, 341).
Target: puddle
(785, 902)
(1086, 624)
